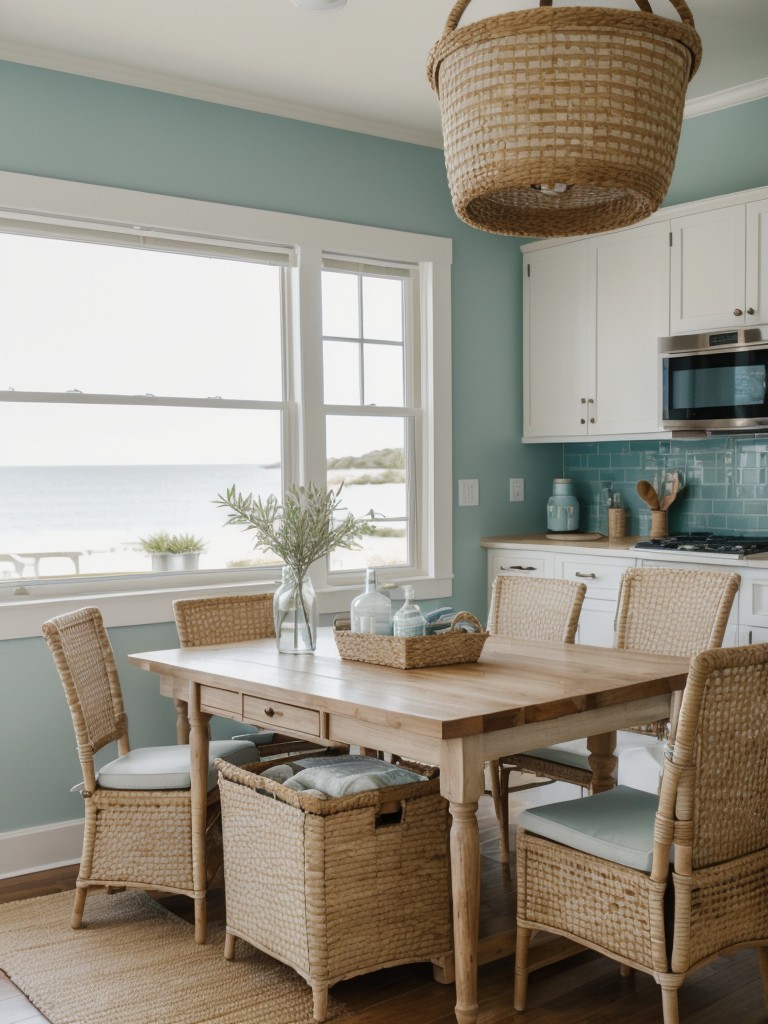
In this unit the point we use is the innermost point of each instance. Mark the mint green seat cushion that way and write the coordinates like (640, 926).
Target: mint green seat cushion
(168, 767)
(574, 754)
(616, 825)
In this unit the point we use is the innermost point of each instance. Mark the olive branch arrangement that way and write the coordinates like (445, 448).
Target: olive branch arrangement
(307, 525)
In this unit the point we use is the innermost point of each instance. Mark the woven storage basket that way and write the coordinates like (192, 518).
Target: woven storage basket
(591, 98)
(452, 648)
(336, 887)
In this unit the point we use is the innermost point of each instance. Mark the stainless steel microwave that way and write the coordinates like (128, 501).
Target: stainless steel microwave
(715, 382)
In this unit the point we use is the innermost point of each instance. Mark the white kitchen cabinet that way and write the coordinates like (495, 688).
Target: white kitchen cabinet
(558, 339)
(756, 295)
(602, 577)
(719, 270)
(600, 566)
(593, 311)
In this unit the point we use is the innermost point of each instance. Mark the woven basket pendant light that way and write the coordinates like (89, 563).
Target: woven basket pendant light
(562, 121)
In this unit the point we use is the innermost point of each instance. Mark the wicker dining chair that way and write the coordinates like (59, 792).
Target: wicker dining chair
(661, 611)
(530, 608)
(138, 807)
(664, 883)
(231, 619)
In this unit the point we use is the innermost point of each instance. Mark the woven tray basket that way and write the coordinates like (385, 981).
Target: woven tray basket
(340, 886)
(592, 98)
(453, 648)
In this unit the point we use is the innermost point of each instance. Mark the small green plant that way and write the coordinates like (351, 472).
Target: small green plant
(171, 543)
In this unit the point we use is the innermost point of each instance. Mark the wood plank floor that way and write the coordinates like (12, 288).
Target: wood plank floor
(585, 989)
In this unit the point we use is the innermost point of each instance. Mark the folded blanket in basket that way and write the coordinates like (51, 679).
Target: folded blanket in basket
(340, 776)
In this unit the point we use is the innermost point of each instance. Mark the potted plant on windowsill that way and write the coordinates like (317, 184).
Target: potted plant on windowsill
(308, 525)
(173, 552)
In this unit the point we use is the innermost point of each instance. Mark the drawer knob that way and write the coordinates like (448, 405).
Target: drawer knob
(269, 712)
(586, 575)
(738, 312)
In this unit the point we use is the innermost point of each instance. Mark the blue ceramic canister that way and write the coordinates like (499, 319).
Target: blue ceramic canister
(562, 507)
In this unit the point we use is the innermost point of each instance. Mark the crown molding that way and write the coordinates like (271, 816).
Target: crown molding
(121, 74)
(746, 93)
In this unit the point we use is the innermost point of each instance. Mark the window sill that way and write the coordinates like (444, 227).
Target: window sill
(22, 615)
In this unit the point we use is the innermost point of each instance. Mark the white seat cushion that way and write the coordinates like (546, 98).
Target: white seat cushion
(168, 767)
(341, 775)
(616, 825)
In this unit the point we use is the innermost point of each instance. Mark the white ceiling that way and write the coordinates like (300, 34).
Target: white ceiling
(360, 67)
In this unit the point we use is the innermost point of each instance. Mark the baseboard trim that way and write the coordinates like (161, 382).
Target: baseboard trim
(37, 849)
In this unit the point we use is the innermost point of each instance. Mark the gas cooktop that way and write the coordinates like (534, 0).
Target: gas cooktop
(707, 544)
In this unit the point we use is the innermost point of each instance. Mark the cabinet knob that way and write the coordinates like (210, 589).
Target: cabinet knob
(592, 419)
(591, 401)
(586, 575)
(582, 420)
(583, 401)
(738, 312)
(751, 311)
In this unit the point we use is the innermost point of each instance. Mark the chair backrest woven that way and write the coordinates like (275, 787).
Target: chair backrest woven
(224, 620)
(716, 776)
(85, 662)
(535, 608)
(674, 611)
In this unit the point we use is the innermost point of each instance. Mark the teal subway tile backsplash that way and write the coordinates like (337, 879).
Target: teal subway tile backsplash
(725, 482)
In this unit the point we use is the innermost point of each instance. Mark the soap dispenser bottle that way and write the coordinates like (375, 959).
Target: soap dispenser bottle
(408, 619)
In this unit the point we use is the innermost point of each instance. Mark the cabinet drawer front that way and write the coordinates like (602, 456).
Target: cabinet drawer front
(753, 599)
(520, 563)
(602, 577)
(214, 700)
(281, 717)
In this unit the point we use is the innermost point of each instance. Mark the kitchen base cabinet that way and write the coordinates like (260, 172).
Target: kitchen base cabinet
(600, 565)
(602, 577)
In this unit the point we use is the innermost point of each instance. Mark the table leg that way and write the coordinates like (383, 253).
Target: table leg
(182, 721)
(465, 877)
(461, 782)
(198, 753)
(603, 761)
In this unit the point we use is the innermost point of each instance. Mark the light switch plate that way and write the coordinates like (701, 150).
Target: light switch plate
(469, 492)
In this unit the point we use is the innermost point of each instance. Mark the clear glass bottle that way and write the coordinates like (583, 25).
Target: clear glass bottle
(408, 619)
(371, 611)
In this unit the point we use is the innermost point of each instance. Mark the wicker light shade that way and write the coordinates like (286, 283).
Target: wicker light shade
(562, 121)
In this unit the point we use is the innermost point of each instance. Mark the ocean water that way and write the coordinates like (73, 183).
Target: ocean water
(103, 511)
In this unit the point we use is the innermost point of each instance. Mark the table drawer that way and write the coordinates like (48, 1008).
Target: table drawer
(281, 717)
(215, 701)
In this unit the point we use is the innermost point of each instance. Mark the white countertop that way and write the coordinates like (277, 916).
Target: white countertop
(619, 548)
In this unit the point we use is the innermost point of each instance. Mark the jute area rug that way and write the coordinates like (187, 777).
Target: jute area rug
(137, 963)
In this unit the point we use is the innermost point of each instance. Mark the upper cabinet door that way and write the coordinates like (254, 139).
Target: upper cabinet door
(708, 270)
(757, 263)
(558, 346)
(632, 314)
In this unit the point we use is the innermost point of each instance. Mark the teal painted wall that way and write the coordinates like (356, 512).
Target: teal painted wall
(64, 126)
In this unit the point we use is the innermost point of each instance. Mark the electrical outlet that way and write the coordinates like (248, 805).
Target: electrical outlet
(516, 489)
(469, 492)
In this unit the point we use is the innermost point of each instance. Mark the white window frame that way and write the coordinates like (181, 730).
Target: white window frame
(141, 599)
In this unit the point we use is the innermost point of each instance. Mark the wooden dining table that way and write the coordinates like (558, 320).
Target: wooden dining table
(519, 695)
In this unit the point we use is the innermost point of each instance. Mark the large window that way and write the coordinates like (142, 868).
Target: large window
(145, 367)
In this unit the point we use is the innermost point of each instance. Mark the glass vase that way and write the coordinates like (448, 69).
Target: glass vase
(295, 608)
